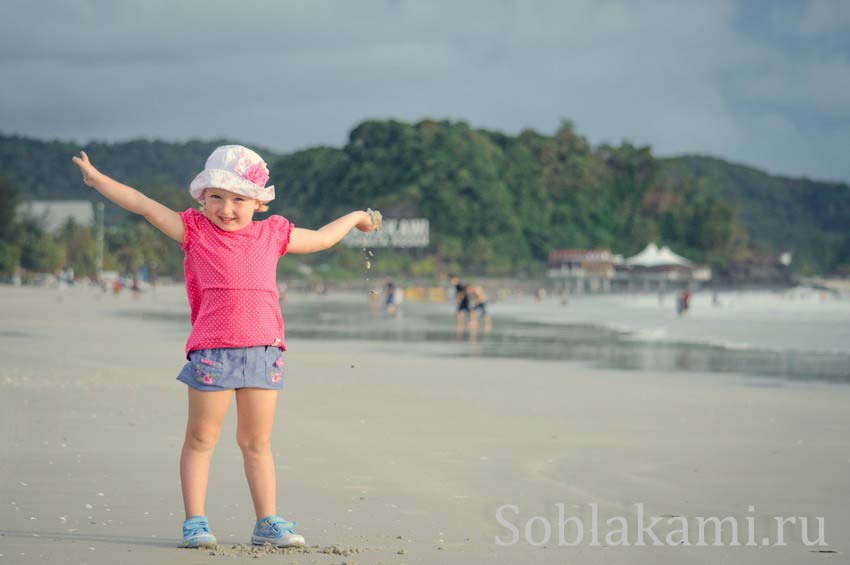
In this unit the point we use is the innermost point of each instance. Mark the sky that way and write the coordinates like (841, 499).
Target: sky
(763, 83)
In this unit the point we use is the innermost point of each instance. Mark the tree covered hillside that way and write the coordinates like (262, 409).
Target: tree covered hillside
(44, 169)
(808, 217)
(497, 204)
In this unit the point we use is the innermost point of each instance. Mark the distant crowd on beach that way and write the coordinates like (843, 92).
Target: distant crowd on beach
(471, 304)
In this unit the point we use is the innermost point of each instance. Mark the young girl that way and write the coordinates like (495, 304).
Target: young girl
(237, 329)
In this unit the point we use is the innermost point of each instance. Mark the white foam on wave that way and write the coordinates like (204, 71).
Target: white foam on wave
(744, 321)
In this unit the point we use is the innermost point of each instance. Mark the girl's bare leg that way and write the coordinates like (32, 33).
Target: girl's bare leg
(255, 416)
(206, 413)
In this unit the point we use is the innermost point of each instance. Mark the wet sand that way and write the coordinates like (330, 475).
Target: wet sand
(394, 457)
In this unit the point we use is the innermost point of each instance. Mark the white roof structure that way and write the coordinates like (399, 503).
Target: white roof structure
(55, 213)
(652, 256)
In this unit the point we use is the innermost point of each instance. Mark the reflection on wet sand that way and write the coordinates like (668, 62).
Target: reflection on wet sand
(427, 328)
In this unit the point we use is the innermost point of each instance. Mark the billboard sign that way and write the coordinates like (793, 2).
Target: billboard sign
(394, 232)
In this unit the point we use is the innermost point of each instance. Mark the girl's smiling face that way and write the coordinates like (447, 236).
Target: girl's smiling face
(228, 210)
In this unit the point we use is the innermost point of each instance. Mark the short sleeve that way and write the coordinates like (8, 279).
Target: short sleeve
(282, 230)
(190, 227)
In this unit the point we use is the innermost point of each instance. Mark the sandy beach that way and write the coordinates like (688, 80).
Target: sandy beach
(394, 457)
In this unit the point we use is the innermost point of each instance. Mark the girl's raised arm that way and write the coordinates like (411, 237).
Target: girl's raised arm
(310, 241)
(163, 218)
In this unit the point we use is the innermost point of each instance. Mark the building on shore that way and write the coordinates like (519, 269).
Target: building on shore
(760, 269)
(583, 270)
(53, 214)
(661, 270)
(579, 271)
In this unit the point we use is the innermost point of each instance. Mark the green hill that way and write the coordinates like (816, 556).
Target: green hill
(497, 203)
(810, 218)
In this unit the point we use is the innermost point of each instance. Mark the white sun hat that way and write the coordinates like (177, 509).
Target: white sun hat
(237, 169)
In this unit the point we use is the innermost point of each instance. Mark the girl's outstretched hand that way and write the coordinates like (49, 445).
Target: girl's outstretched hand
(371, 221)
(88, 170)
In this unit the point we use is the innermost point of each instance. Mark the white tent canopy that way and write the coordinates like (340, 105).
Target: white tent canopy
(652, 256)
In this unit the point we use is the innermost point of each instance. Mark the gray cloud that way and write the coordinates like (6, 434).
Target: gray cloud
(767, 86)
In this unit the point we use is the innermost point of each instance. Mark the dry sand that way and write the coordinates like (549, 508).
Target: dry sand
(387, 458)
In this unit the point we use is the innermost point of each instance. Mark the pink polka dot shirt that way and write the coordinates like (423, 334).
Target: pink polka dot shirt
(231, 282)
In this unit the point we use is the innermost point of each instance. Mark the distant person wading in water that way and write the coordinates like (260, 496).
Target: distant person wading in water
(479, 311)
(683, 302)
(461, 302)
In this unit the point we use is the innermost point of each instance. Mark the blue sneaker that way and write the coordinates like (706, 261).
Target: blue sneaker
(276, 531)
(196, 533)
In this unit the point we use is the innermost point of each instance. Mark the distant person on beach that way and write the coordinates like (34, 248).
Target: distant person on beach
(373, 301)
(683, 302)
(461, 303)
(479, 311)
(237, 337)
(539, 295)
(390, 301)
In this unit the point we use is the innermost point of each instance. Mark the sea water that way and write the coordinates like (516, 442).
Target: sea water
(796, 334)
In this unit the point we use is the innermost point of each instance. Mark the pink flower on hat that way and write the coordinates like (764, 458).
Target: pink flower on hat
(257, 174)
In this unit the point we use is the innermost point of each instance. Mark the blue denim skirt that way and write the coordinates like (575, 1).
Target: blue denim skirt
(234, 367)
